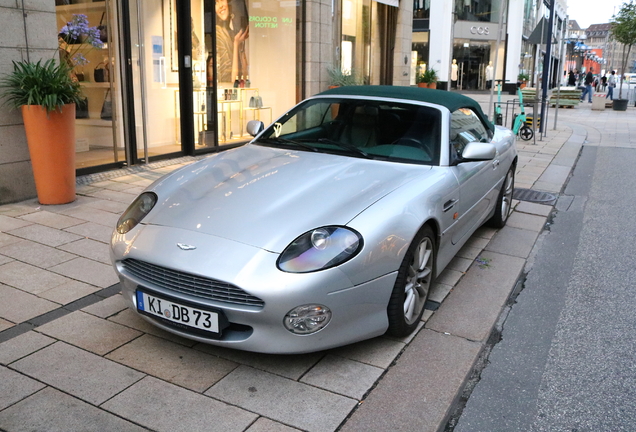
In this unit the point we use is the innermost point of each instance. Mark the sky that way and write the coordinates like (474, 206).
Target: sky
(588, 12)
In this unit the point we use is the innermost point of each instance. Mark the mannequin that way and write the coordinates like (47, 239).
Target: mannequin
(454, 74)
(489, 73)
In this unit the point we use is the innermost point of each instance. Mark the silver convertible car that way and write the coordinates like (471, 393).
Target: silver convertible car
(326, 229)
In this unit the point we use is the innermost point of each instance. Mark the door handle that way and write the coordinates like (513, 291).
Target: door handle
(495, 163)
(449, 205)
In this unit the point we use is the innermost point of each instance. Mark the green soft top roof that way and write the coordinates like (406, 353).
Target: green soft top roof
(452, 101)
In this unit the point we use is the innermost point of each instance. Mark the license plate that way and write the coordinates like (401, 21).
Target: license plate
(177, 313)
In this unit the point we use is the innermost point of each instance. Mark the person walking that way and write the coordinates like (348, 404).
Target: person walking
(589, 79)
(611, 83)
(571, 79)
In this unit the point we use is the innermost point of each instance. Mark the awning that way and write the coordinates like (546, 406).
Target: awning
(536, 37)
(395, 3)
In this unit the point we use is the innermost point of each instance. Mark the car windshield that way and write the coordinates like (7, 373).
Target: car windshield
(394, 131)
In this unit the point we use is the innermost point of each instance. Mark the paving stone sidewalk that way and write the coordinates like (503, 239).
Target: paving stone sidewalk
(72, 357)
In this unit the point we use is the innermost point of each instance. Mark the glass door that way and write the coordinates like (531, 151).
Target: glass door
(155, 79)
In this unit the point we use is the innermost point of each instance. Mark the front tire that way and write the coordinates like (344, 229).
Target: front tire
(412, 285)
(504, 201)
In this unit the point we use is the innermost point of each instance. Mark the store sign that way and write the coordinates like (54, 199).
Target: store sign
(477, 30)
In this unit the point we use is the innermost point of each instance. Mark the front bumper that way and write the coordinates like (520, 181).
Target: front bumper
(358, 312)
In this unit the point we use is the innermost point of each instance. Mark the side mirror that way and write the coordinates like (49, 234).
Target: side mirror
(254, 127)
(478, 151)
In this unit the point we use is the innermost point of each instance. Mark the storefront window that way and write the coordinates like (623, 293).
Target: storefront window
(478, 10)
(421, 9)
(249, 52)
(94, 66)
(419, 54)
(355, 47)
(471, 61)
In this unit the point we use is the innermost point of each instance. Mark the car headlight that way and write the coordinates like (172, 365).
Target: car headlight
(139, 208)
(320, 249)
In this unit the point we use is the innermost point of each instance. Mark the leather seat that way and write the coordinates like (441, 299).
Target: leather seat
(362, 128)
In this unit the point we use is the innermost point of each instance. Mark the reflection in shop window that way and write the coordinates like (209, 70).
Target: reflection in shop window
(478, 10)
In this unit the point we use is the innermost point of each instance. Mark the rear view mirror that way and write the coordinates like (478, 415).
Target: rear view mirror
(254, 127)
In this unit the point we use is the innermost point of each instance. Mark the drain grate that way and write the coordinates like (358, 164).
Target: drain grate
(534, 196)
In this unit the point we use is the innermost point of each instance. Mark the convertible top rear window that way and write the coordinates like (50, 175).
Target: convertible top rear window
(383, 130)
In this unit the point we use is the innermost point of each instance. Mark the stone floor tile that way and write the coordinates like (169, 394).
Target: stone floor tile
(477, 242)
(50, 219)
(23, 345)
(162, 406)
(68, 292)
(378, 351)
(526, 221)
(459, 264)
(266, 425)
(5, 259)
(449, 277)
(439, 291)
(18, 306)
(262, 392)
(4, 324)
(172, 362)
(94, 215)
(534, 208)
(107, 307)
(14, 387)
(289, 366)
(109, 206)
(131, 319)
(10, 223)
(426, 380)
(7, 239)
(36, 254)
(29, 278)
(52, 410)
(427, 315)
(93, 231)
(89, 271)
(89, 332)
(45, 235)
(513, 241)
(469, 252)
(121, 197)
(343, 376)
(87, 376)
(87, 248)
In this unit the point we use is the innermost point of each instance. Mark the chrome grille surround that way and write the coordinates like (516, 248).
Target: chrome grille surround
(186, 283)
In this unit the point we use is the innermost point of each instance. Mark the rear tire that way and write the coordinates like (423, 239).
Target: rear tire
(504, 201)
(412, 285)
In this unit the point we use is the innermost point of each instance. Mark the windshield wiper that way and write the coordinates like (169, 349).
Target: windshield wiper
(345, 146)
(272, 140)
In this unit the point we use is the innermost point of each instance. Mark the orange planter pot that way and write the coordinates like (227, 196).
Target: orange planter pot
(51, 139)
(422, 85)
(432, 85)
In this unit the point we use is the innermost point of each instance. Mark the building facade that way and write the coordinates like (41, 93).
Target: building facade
(183, 77)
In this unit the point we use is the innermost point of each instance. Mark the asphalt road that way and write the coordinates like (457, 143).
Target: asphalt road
(567, 358)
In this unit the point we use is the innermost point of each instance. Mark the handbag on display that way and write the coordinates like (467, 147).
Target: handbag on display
(101, 72)
(103, 30)
(258, 101)
(81, 109)
(107, 107)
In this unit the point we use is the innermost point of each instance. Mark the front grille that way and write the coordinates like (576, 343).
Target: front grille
(186, 283)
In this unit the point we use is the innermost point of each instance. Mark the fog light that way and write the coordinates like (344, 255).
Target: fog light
(307, 319)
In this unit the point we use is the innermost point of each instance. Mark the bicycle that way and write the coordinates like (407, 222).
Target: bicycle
(520, 126)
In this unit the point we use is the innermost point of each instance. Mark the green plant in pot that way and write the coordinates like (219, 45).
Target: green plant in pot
(47, 93)
(428, 78)
(340, 78)
(623, 29)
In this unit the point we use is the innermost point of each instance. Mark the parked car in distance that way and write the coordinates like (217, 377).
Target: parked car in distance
(326, 229)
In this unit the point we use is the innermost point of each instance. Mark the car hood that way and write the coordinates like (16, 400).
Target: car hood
(266, 197)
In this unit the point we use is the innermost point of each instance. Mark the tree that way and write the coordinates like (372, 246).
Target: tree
(623, 28)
